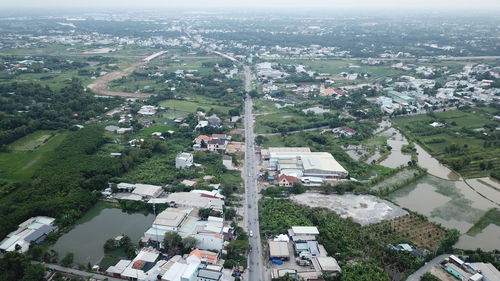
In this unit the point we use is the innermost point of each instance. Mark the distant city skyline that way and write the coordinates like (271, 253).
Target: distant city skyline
(255, 4)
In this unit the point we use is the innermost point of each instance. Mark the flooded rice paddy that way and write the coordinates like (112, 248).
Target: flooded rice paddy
(453, 204)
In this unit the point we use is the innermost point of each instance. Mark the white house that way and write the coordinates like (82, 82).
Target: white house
(183, 160)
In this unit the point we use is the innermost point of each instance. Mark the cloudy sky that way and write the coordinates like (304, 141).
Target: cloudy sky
(411, 4)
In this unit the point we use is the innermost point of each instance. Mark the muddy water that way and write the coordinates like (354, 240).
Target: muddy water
(433, 166)
(425, 160)
(487, 240)
(396, 141)
(453, 204)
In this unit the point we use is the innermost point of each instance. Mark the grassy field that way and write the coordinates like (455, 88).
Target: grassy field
(190, 106)
(20, 166)
(31, 141)
(157, 128)
(281, 120)
(263, 106)
(477, 150)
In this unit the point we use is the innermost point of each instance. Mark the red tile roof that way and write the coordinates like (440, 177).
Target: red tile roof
(290, 179)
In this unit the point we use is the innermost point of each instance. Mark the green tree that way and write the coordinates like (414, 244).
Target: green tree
(110, 244)
(68, 259)
(451, 238)
(189, 243)
(429, 277)
(173, 243)
(298, 188)
(230, 213)
(34, 272)
(204, 213)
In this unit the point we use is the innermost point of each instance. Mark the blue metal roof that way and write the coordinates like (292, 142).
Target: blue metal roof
(39, 233)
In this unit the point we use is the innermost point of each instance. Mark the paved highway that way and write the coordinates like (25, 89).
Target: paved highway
(256, 271)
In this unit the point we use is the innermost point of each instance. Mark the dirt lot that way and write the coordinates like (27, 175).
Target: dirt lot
(100, 85)
(363, 209)
(441, 274)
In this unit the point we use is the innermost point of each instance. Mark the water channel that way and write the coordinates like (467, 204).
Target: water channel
(445, 197)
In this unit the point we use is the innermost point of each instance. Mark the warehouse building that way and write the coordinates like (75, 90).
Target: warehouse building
(279, 250)
(33, 230)
(195, 200)
(301, 162)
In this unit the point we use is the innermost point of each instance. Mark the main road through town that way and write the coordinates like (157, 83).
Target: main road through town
(256, 269)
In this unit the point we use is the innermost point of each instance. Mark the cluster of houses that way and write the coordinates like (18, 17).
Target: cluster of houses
(412, 94)
(210, 234)
(203, 121)
(299, 255)
(213, 143)
(150, 265)
(294, 164)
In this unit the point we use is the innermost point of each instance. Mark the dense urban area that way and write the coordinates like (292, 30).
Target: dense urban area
(224, 146)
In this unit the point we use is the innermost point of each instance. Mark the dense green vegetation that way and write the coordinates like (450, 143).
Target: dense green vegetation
(237, 249)
(17, 267)
(66, 185)
(27, 107)
(429, 277)
(469, 142)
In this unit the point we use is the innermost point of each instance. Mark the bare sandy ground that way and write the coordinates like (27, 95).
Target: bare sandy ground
(100, 85)
(363, 209)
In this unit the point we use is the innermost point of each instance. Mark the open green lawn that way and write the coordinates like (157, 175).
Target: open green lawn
(20, 166)
(157, 128)
(190, 106)
(263, 106)
(285, 121)
(31, 141)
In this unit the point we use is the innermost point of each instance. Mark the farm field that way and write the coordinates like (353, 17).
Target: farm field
(468, 143)
(264, 107)
(20, 165)
(190, 106)
(31, 141)
(157, 128)
(285, 121)
(412, 227)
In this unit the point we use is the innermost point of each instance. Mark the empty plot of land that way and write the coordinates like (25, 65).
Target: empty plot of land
(31, 141)
(363, 209)
(100, 85)
(190, 106)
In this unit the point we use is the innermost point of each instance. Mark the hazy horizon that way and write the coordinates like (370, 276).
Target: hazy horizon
(487, 5)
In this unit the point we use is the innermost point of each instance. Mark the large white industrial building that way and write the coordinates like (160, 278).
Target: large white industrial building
(302, 163)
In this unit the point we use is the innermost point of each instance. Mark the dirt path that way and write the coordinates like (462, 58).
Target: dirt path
(100, 85)
(31, 163)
